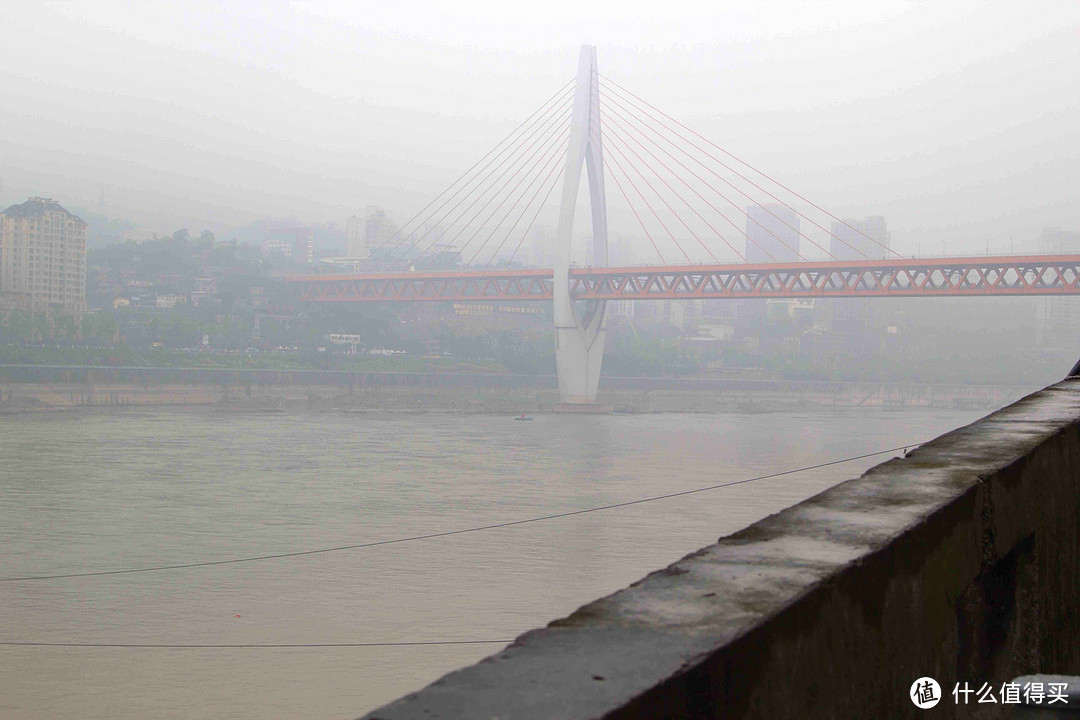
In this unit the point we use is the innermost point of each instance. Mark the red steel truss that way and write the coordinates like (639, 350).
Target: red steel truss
(1008, 275)
(441, 286)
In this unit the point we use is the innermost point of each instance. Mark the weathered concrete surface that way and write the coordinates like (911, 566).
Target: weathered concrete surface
(961, 562)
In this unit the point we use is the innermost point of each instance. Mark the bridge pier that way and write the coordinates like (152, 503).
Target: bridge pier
(579, 352)
(579, 340)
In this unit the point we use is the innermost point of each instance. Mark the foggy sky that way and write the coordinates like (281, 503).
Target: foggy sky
(957, 121)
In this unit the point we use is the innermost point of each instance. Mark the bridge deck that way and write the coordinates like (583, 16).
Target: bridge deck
(925, 277)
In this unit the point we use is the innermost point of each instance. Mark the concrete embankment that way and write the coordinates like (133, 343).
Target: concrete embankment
(958, 562)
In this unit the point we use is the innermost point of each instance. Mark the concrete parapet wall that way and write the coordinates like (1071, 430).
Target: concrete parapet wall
(959, 562)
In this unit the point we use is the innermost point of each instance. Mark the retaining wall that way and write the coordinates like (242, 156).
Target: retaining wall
(960, 562)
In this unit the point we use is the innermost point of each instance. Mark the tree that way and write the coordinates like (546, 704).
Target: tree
(19, 327)
(98, 328)
(65, 329)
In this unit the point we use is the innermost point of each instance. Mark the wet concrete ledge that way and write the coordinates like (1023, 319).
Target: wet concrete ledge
(960, 561)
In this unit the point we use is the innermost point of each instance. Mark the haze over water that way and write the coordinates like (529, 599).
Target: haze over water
(87, 492)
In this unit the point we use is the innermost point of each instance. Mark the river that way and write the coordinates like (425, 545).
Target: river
(90, 491)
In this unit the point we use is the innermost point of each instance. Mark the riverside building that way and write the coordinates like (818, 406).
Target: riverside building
(42, 257)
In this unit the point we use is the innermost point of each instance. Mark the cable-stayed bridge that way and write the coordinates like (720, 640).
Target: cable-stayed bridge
(717, 226)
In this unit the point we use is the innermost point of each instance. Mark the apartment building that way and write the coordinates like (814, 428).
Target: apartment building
(42, 257)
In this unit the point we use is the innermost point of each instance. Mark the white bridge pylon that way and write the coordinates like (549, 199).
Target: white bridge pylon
(579, 341)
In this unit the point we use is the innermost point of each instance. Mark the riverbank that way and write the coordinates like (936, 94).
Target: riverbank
(623, 395)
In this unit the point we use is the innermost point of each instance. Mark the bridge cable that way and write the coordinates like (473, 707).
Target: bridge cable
(611, 171)
(547, 169)
(544, 166)
(626, 145)
(664, 200)
(611, 82)
(463, 531)
(536, 147)
(731, 222)
(612, 93)
(561, 92)
(630, 130)
(491, 182)
(561, 98)
(644, 199)
(537, 126)
(532, 221)
(540, 159)
(631, 117)
(552, 170)
(618, 184)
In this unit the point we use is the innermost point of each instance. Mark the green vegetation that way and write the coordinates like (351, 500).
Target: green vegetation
(184, 301)
(425, 341)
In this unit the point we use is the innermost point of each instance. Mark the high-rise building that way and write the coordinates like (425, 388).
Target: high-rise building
(772, 233)
(1057, 319)
(620, 309)
(543, 246)
(851, 239)
(866, 239)
(620, 250)
(377, 227)
(42, 257)
(356, 247)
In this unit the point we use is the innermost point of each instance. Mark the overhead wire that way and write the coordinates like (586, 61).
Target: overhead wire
(407, 643)
(448, 533)
(235, 646)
